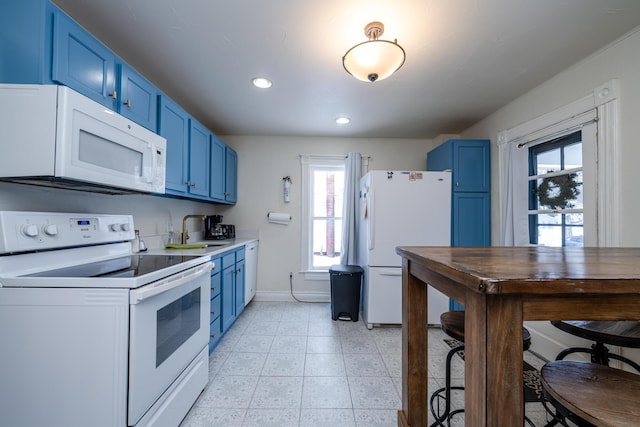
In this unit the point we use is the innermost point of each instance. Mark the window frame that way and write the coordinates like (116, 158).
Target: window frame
(309, 164)
(534, 209)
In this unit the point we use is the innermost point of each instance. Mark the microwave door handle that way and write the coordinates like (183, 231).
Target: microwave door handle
(139, 295)
(149, 172)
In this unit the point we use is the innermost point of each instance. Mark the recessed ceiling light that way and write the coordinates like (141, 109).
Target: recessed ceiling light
(262, 82)
(343, 120)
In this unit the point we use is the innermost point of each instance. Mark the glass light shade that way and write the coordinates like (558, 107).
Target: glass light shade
(373, 60)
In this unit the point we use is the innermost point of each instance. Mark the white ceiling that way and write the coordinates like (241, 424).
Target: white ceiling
(465, 58)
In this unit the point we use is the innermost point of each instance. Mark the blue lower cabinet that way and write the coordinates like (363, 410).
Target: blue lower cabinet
(227, 291)
(214, 333)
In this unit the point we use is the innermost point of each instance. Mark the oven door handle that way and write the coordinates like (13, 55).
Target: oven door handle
(172, 282)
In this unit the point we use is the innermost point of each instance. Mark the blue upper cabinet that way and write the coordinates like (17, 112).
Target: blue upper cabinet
(218, 169)
(41, 44)
(82, 62)
(199, 153)
(26, 31)
(224, 172)
(138, 98)
(173, 125)
(231, 176)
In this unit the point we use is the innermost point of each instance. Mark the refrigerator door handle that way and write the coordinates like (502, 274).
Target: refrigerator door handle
(370, 210)
(390, 272)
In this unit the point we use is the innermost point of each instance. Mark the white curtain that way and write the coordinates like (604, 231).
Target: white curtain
(353, 172)
(514, 167)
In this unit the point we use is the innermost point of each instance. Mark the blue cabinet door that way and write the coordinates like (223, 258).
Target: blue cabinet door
(471, 170)
(471, 218)
(228, 297)
(83, 63)
(26, 31)
(199, 152)
(218, 169)
(240, 276)
(138, 99)
(174, 126)
(231, 176)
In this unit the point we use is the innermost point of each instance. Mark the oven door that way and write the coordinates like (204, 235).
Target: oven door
(169, 327)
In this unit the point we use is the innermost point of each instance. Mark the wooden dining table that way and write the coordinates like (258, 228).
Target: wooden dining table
(500, 287)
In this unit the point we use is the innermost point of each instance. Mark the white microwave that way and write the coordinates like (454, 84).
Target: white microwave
(53, 136)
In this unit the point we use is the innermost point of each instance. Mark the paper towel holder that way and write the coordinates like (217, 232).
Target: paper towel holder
(279, 218)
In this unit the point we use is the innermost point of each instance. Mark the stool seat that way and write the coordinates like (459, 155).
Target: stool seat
(595, 394)
(452, 324)
(623, 333)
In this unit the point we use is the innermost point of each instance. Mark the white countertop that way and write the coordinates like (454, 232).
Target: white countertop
(217, 247)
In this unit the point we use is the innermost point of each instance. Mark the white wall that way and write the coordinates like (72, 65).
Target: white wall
(150, 213)
(618, 61)
(263, 162)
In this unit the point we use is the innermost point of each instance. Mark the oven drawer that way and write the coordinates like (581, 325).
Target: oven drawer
(215, 306)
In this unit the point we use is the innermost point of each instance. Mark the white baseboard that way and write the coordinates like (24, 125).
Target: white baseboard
(286, 296)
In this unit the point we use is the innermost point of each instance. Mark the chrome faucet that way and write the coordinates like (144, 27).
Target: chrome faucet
(185, 234)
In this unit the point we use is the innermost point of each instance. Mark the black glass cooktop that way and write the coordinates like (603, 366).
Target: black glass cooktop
(128, 266)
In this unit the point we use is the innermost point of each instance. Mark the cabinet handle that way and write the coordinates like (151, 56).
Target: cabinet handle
(114, 94)
(188, 183)
(128, 103)
(457, 184)
(193, 185)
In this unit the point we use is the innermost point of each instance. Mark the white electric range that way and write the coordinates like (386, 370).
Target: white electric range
(93, 334)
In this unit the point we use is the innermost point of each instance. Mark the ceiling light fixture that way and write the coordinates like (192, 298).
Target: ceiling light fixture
(343, 120)
(261, 82)
(374, 59)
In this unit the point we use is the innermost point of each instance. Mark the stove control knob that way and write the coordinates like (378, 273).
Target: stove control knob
(30, 230)
(125, 226)
(114, 227)
(51, 230)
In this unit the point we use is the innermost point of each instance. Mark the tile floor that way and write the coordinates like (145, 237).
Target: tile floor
(288, 364)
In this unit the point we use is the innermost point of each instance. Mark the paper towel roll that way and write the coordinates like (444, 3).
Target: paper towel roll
(279, 218)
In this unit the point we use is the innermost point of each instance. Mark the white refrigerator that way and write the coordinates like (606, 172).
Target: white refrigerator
(399, 208)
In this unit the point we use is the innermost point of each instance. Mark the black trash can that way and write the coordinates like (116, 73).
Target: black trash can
(345, 291)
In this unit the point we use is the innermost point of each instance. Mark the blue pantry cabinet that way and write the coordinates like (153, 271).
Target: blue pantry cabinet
(470, 163)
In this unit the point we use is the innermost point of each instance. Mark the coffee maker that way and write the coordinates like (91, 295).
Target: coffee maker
(213, 227)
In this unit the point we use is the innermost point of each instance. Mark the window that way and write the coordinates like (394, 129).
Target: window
(322, 211)
(556, 209)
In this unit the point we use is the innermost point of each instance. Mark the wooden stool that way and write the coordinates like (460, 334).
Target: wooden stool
(624, 333)
(590, 394)
(452, 324)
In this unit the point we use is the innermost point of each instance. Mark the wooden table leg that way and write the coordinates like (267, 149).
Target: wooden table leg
(415, 399)
(475, 374)
(505, 393)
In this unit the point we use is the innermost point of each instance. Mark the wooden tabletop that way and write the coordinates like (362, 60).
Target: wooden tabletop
(538, 270)
(500, 288)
